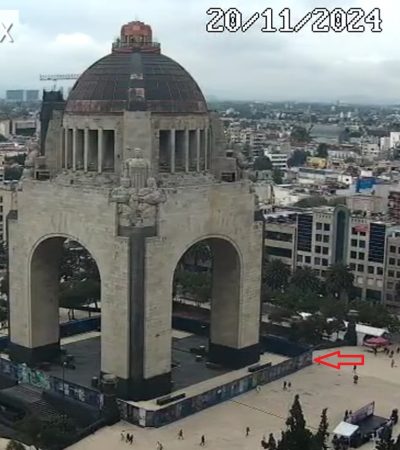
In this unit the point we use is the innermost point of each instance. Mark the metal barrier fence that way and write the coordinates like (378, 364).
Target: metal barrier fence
(185, 407)
(24, 374)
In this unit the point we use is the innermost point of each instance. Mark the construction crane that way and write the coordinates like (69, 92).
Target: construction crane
(58, 77)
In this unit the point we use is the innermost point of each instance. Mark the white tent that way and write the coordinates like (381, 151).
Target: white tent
(345, 429)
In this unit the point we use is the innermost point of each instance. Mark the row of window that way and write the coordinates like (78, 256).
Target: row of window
(370, 269)
(323, 250)
(360, 255)
(323, 226)
(356, 243)
(392, 262)
(322, 238)
(392, 249)
(317, 261)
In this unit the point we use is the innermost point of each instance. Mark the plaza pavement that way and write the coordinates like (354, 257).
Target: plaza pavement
(265, 412)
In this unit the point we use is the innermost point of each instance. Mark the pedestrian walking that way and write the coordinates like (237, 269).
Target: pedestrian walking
(159, 446)
(392, 364)
(129, 438)
(258, 388)
(354, 369)
(284, 385)
(398, 350)
(355, 379)
(289, 385)
(346, 415)
(123, 436)
(202, 441)
(392, 354)
(180, 434)
(375, 351)
(247, 431)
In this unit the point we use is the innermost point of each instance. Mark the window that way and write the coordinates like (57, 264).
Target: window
(299, 258)
(398, 262)
(392, 261)
(325, 250)
(392, 249)
(371, 269)
(361, 256)
(278, 251)
(391, 273)
(307, 259)
(389, 297)
(379, 270)
(353, 255)
(317, 249)
(352, 266)
(326, 238)
(397, 274)
(318, 237)
(363, 233)
(361, 244)
(360, 268)
(317, 261)
(319, 225)
(327, 227)
(324, 262)
(390, 285)
(354, 242)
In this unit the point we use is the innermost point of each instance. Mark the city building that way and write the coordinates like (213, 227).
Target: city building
(326, 236)
(278, 160)
(32, 95)
(15, 95)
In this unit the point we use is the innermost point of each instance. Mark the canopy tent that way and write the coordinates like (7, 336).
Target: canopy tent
(377, 342)
(345, 429)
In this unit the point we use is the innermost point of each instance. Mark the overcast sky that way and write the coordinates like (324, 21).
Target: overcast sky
(56, 36)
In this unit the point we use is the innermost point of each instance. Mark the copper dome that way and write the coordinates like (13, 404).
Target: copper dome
(135, 81)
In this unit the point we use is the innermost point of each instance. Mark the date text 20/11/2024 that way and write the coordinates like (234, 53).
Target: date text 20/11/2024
(322, 20)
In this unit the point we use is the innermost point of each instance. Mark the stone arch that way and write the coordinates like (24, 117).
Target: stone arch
(226, 294)
(43, 291)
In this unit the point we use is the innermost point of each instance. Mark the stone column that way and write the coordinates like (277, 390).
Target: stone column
(172, 147)
(74, 146)
(186, 150)
(206, 162)
(198, 150)
(66, 147)
(100, 150)
(86, 149)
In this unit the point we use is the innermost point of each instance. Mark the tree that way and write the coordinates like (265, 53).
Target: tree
(311, 202)
(300, 135)
(271, 444)
(277, 176)
(276, 274)
(262, 163)
(351, 335)
(339, 281)
(298, 158)
(322, 151)
(304, 278)
(296, 436)
(322, 434)
(15, 445)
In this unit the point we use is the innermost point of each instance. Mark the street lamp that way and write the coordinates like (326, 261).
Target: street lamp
(64, 365)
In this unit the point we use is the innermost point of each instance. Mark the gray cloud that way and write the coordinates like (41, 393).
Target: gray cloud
(60, 37)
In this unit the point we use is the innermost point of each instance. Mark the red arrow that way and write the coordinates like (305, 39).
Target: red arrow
(347, 360)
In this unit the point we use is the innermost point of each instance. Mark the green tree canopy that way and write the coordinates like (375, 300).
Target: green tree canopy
(262, 163)
(298, 158)
(322, 150)
(339, 281)
(276, 274)
(305, 279)
(277, 176)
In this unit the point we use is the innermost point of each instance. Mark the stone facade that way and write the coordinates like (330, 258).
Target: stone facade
(137, 189)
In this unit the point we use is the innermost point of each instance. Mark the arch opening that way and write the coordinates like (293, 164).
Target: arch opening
(65, 303)
(206, 311)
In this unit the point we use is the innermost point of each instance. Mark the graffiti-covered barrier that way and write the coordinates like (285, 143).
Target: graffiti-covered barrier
(187, 406)
(21, 373)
